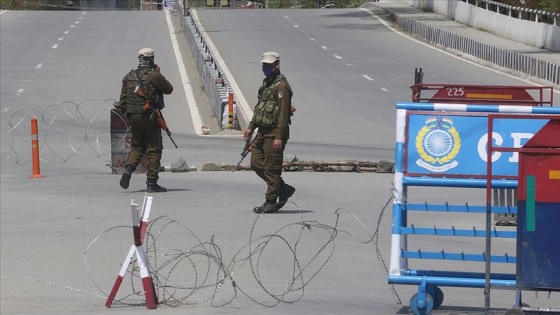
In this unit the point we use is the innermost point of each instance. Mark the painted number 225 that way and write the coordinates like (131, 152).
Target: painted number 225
(454, 91)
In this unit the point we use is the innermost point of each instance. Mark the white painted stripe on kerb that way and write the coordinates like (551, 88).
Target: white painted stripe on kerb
(197, 121)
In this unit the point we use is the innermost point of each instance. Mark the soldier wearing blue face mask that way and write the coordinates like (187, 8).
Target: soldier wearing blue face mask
(271, 118)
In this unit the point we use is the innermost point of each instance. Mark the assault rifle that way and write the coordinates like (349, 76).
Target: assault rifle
(157, 112)
(246, 150)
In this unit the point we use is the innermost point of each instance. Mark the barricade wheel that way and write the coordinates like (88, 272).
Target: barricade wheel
(421, 307)
(438, 297)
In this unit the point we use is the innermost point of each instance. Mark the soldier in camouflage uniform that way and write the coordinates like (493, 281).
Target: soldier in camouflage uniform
(271, 118)
(146, 132)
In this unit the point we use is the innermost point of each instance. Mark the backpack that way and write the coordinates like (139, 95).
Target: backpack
(136, 97)
(136, 81)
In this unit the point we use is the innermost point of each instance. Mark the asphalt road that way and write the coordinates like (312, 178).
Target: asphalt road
(65, 236)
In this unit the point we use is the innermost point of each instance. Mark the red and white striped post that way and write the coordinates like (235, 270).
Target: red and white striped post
(230, 110)
(139, 225)
(35, 149)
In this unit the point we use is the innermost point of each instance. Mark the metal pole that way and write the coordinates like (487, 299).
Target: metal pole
(35, 149)
(230, 110)
(487, 256)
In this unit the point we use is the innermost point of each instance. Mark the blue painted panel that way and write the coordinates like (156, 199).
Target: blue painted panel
(538, 251)
(456, 145)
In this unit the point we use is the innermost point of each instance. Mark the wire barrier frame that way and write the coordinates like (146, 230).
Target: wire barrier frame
(465, 126)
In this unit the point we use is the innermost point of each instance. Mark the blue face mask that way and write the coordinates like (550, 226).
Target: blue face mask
(268, 70)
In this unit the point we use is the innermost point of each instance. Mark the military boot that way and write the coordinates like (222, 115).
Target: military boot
(269, 206)
(285, 193)
(152, 186)
(127, 172)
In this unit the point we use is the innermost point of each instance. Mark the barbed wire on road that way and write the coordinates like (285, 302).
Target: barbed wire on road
(202, 275)
(66, 130)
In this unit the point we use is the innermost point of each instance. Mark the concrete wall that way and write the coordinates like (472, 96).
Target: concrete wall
(528, 32)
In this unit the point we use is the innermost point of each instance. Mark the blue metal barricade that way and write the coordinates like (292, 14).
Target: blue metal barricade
(445, 145)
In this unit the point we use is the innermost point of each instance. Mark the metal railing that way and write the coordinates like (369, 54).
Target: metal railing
(501, 57)
(216, 84)
(517, 12)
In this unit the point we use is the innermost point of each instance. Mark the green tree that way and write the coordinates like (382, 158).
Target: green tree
(543, 5)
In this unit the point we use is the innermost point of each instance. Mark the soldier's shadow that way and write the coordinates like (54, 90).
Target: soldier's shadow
(294, 211)
(168, 190)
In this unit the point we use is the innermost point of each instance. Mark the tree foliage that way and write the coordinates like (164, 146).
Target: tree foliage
(542, 5)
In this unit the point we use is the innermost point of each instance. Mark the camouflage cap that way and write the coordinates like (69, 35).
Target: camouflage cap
(270, 57)
(145, 52)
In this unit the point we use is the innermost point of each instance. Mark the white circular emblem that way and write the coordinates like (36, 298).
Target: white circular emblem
(438, 142)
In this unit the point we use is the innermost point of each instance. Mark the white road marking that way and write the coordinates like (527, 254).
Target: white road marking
(337, 56)
(61, 38)
(39, 65)
(19, 92)
(384, 90)
(54, 46)
(367, 77)
(324, 47)
(66, 32)
(197, 121)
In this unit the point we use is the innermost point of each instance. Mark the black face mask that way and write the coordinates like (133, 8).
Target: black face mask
(268, 70)
(146, 62)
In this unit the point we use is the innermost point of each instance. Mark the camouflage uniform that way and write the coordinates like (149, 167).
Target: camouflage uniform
(265, 161)
(146, 132)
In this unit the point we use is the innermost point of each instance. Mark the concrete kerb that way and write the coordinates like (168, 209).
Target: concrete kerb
(214, 78)
(543, 72)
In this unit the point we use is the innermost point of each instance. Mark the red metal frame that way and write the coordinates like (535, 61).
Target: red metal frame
(489, 150)
(483, 94)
